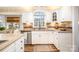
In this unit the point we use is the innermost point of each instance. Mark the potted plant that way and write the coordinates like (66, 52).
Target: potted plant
(2, 28)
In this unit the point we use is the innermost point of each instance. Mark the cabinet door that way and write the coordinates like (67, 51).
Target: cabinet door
(35, 37)
(65, 42)
(10, 48)
(20, 45)
(55, 38)
(66, 13)
(43, 37)
(51, 37)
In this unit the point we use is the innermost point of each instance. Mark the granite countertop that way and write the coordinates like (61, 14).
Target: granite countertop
(11, 38)
(64, 31)
(59, 31)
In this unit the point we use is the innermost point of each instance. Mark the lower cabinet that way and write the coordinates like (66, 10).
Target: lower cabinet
(40, 37)
(17, 46)
(53, 38)
(44, 37)
(64, 42)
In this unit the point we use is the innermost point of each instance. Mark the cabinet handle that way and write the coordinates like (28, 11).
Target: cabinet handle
(21, 41)
(21, 47)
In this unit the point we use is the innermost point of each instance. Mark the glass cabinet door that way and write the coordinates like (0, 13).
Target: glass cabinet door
(54, 16)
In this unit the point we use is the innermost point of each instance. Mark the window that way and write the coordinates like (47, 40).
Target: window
(1, 24)
(39, 19)
(54, 16)
(2, 20)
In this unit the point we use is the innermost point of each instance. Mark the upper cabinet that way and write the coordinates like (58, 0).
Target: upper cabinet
(48, 16)
(57, 15)
(41, 16)
(62, 14)
(54, 16)
(66, 13)
(27, 17)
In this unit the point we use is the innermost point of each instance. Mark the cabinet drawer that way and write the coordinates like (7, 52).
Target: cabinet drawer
(20, 45)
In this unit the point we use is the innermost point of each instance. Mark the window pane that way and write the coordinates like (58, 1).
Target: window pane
(39, 19)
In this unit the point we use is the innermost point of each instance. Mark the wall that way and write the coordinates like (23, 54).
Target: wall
(75, 18)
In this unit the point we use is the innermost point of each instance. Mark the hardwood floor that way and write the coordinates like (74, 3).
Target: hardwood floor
(40, 48)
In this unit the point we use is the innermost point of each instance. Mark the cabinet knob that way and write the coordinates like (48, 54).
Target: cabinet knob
(21, 41)
(21, 47)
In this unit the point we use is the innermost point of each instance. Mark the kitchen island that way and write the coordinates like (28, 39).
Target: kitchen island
(13, 43)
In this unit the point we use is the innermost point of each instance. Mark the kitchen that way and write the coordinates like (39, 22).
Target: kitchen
(37, 29)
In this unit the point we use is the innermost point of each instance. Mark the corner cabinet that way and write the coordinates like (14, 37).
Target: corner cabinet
(64, 42)
(17, 46)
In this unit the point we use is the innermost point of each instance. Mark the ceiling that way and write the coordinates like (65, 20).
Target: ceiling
(25, 9)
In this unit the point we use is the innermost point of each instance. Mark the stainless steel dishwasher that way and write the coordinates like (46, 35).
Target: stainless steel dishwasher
(29, 37)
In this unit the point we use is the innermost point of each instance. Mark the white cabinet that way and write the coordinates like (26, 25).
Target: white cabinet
(20, 45)
(54, 38)
(48, 17)
(50, 37)
(62, 40)
(17, 46)
(40, 37)
(66, 13)
(65, 42)
(27, 17)
(63, 14)
(44, 37)
(35, 37)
